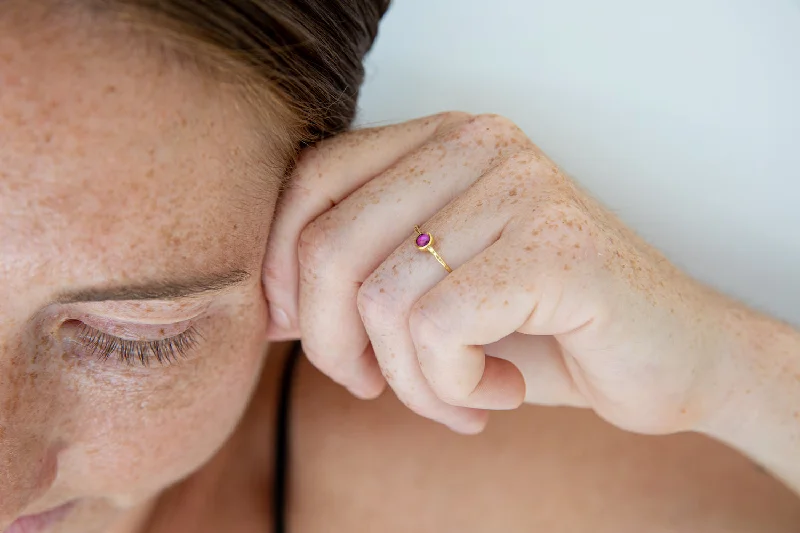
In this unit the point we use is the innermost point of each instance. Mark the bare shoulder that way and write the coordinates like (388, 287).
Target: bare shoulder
(374, 466)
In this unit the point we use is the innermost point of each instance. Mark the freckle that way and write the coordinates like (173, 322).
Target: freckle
(683, 411)
(560, 253)
(512, 192)
(382, 290)
(150, 173)
(505, 302)
(567, 267)
(528, 248)
(576, 245)
(356, 216)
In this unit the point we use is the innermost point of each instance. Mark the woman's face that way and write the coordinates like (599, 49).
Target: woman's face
(135, 206)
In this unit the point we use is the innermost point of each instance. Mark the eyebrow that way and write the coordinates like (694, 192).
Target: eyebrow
(159, 289)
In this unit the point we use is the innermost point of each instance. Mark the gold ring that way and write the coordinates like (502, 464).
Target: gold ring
(424, 242)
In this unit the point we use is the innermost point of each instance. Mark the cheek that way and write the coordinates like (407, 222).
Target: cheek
(145, 434)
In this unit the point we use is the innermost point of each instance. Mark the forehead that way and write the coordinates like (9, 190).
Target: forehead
(121, 164)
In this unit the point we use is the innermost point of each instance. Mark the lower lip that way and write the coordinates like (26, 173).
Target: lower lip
(38, 523)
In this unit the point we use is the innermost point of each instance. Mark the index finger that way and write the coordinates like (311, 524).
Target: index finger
(324, 176)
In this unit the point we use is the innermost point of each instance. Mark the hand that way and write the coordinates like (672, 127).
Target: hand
(552, 300)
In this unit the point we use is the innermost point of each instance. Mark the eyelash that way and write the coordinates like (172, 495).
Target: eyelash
(130, 352)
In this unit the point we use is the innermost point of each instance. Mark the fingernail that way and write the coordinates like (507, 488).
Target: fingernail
(473, 426)
(279, 316)
(364, 394)
(465, 429)
(357, 393)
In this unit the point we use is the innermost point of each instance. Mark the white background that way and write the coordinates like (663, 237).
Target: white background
(683, 116)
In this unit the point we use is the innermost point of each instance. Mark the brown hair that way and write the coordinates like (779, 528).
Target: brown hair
(307, 53)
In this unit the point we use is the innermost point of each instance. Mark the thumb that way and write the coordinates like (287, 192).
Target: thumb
(545, 369)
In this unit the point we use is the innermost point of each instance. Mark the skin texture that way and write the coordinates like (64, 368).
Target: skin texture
(552, 299)
(539, 269)
(118, 170)
(377, 466)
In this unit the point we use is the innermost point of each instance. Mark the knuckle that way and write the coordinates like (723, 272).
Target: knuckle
(424, 324)
(497, 132)
(320, 361)
(423, 407)
(494, 122)
(377, 305)
(316, 246)
(314, 357)
(451, 119)
(494, 125)
(449, 392)
(272, 275)
(328, 360)
(331, 368)
(414, 405)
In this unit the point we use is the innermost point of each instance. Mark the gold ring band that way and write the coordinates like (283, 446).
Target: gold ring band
(424, 242)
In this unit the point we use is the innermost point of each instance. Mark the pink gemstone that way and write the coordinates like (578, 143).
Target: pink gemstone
(423, 240)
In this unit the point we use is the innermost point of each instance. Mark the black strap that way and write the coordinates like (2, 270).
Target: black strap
(282, 444)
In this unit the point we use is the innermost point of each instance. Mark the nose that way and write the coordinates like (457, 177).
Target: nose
(28, 468)
(28, 455)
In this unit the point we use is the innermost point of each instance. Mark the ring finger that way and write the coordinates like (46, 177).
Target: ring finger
(459, 233)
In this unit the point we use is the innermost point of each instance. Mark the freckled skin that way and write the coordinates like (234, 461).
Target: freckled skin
(117, 168)
(548, 226)
(114, 168)
(544, 277)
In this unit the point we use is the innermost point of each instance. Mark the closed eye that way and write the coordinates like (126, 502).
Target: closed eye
(133, 352)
